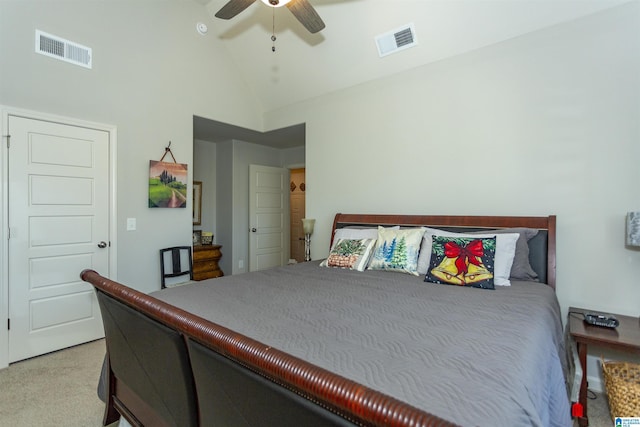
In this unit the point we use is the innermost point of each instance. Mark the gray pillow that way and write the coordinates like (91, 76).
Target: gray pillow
(521, 268)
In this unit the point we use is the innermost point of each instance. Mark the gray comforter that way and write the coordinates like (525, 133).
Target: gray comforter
(471, 356)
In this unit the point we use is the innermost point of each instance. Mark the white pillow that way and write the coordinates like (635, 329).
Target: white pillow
(505, 251)
(357, 234)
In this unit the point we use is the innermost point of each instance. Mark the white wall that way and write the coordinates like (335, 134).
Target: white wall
(204, 170)
(547, 123)
(543, 124)
(151, 73)
(224, 204)
(293, 157)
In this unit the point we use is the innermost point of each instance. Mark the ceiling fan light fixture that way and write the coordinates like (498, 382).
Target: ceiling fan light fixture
(301, 9)
(275, 3)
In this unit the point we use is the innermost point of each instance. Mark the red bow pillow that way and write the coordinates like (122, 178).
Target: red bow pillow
(462, 261)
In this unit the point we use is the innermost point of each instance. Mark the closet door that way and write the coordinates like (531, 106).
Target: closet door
(59, 225)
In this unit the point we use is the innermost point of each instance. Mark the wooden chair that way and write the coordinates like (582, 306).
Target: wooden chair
(181, 263)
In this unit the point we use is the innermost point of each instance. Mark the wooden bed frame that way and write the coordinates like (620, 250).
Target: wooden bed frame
(339, 401)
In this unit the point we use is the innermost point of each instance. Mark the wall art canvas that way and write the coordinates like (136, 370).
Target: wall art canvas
(167, 185)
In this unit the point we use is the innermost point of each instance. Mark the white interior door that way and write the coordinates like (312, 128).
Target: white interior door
(58, 226)
(267, 217)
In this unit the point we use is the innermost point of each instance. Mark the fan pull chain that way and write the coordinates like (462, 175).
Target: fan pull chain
(273, 30)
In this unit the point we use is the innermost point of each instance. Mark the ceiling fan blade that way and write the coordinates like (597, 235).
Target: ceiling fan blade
(233, 8)
(306, 14)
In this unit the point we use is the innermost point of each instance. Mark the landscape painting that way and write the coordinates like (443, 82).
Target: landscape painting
(167, 185)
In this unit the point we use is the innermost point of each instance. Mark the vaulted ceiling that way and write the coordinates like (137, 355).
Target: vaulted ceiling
(344, 54)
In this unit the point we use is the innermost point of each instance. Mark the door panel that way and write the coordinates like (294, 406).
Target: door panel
(53, 190)
(55, 271)
(61, 310)
(267, 189)
(69, 230)
(267, 241)
(269, 221)
(58, 213)
(54, 150)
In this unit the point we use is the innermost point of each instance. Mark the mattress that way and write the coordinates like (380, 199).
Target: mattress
(471, 356)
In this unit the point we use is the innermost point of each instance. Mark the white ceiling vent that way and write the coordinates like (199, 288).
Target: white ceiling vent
(65, 50)
(396, 40)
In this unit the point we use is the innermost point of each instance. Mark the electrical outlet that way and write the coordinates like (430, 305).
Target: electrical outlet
(241, 263)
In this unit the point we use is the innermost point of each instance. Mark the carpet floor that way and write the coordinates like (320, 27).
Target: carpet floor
(56, 389)
(59, 390)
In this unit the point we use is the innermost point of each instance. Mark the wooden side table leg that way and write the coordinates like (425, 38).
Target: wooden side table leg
(582, 398)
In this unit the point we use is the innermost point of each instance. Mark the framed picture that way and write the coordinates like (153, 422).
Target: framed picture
(197, 202)
(197, 237)
(167, 185)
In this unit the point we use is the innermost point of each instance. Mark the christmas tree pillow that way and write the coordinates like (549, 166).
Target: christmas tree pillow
(397, 250)
(353, 254)
(462, 261)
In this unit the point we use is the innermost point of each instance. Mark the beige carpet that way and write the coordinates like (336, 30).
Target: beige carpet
(59, 389)
(599, 411)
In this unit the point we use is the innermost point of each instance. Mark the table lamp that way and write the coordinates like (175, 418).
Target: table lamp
(307, 227)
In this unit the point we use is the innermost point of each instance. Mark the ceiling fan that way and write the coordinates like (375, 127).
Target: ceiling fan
(301, 9)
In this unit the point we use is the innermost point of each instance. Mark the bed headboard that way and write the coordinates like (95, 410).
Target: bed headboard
(542, 248)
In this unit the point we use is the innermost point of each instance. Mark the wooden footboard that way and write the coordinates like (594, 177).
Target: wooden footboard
(352, 402)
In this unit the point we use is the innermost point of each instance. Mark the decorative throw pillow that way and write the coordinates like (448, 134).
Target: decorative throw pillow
(505, 252)
(353, 254)
(357, 233)
(462, 261)
(397, 250)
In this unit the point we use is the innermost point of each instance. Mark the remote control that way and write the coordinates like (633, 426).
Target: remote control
(600, 320)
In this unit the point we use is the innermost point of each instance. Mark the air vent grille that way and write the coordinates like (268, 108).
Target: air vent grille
(396, 40)
(65, 50)
(404, 37)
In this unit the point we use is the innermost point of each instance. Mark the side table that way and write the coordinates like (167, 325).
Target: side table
(626, 338)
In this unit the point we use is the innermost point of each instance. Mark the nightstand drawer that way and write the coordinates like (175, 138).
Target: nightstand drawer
(207, 274)
(205, 262)
(205, 252)
(204, 266)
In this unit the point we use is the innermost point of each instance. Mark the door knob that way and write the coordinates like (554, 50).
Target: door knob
(253, 230)
(102, 245)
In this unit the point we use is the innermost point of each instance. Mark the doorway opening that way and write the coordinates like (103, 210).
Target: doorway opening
(222, 155)
(296, 213)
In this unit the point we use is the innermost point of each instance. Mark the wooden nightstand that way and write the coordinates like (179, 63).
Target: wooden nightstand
(626, 337)
(205, 262)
